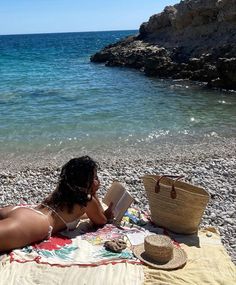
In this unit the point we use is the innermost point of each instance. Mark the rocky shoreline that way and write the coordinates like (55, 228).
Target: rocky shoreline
(195, 40)
(212, 167)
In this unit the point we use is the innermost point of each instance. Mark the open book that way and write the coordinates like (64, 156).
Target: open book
(121, 199)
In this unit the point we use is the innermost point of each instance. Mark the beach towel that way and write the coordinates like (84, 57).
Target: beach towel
(76, 248)
(208, 262)
(32, 273)
(72, 257)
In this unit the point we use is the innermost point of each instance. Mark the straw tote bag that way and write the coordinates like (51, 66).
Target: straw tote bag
(174, 205)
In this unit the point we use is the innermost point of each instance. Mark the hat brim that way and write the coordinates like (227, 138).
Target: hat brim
(179, 258)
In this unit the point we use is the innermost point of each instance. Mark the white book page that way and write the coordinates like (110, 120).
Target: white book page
(120, 205)
(138, 237)
(114, 193)
(121, 199)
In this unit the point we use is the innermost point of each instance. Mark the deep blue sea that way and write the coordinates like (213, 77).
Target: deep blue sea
(53, 98)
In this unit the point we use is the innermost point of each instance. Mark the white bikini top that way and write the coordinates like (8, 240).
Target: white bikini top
(69, 225)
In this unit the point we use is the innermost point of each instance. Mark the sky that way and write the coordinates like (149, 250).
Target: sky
(52, 16)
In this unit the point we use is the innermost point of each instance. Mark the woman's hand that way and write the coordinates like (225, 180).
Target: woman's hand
(109, 214)
(95, 185)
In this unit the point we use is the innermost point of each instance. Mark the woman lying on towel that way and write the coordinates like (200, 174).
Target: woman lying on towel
(74, 197)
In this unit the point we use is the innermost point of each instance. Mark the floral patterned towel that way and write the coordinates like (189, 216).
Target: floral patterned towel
(73, 248)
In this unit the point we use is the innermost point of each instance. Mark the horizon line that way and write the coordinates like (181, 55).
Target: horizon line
(42, 33)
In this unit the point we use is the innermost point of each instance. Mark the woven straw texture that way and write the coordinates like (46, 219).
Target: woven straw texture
(159, 247)
(159, 252)
(182, 214)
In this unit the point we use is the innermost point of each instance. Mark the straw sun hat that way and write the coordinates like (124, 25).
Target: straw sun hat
(158, 251)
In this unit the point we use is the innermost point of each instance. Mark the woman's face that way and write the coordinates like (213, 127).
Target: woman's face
(96, 182)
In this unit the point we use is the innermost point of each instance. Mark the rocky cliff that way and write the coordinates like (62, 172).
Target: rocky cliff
(195, 39)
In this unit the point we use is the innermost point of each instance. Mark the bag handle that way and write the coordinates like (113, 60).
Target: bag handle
(173, 191)
(157, 186)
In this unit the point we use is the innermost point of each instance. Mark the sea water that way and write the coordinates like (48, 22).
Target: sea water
(53, 98)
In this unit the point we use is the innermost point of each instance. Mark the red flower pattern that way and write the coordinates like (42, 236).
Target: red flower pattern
(54, 243)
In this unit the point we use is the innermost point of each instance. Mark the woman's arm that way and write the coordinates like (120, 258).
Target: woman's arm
(96, 214)
(99, 203)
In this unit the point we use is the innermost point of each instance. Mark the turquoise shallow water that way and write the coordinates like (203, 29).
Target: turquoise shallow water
(52, 98)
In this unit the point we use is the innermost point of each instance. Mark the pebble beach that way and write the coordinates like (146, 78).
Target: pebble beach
(28, 179)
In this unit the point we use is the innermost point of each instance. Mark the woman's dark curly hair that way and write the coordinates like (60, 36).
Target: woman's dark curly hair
(74, 185)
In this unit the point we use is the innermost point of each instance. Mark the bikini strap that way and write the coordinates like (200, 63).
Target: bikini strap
(55, 212)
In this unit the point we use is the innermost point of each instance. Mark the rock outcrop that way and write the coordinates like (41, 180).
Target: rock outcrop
(195, 39)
